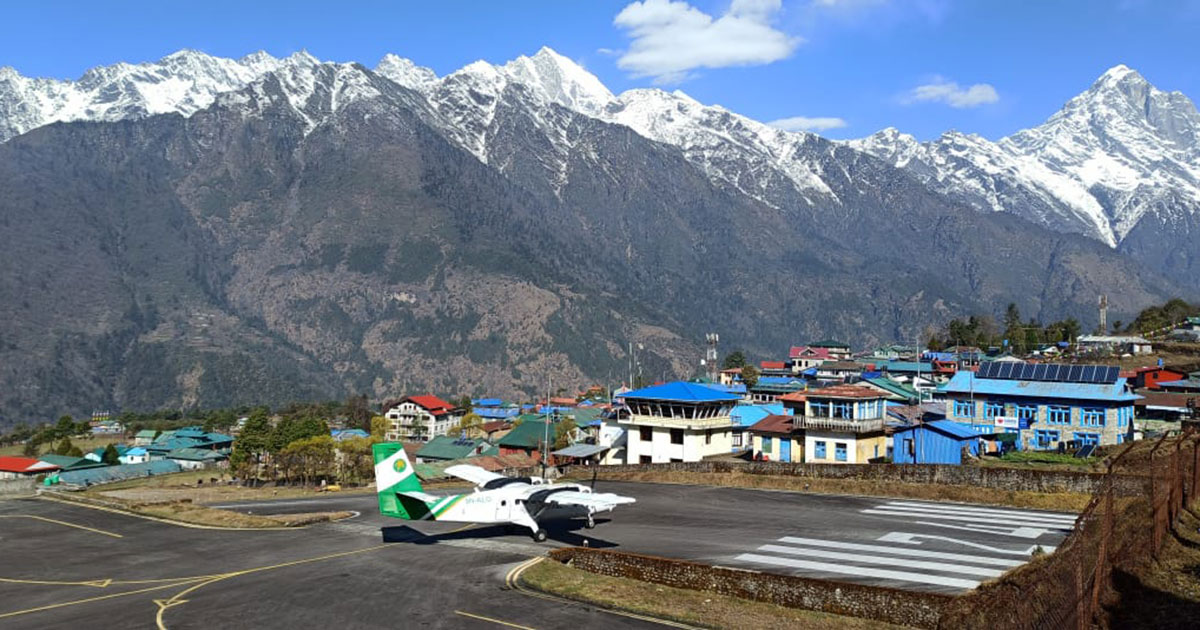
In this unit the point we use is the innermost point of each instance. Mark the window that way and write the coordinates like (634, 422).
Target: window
(964, 409)
(646, 434)
(839, 451)
(992, 410)
(644, 459)
(1046, 438)
(1124, 415)
(737, 439)
(708, 437)
(677, 436)
(1027, 412)
(819, 449)
(1086, 439)
(766, 442)
(1091, 417)
(843, 410)
(1058, 414)
(819, 408)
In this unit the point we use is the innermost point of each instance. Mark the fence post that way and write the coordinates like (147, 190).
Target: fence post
(1082, 618)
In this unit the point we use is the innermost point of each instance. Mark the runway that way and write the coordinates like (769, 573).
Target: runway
(66, 564)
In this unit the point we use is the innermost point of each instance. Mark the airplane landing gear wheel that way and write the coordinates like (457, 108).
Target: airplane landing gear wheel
(539, 535)
(591, 523)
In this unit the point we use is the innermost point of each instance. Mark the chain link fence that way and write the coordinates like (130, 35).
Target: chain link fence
(1123, 528)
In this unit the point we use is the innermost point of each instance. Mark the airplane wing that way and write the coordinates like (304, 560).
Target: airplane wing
(597, 501)
(474, 474)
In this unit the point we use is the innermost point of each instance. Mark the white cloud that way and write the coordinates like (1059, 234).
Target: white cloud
(804, 123)
(942, 90)
(671, 38)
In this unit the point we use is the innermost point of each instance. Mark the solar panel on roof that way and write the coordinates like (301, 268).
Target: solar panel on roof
(1086, 451)
(988, 370)
(1089, 374)
(1052, 372)
(1074, 372)
(1113, 374)
(1039, 372)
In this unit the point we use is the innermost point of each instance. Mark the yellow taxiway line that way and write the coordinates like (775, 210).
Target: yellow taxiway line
(58, 522)
(496, 621)
(87, 600)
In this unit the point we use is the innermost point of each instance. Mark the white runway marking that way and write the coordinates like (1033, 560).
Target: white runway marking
(906, 562)
(901, 551)
(942, 507)
(1016, 532)
(910, 539)
(842, 569)
(1068, 521)
(991, 520)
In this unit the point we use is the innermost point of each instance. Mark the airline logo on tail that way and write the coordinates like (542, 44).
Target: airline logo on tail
(400, 465)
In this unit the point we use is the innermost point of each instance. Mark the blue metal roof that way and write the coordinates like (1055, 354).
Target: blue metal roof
(905, 366)
(947, 427)
(1187, 382)
(746, 415)
(680, 391)
(967, 382)
(487, 402)
(779, 380)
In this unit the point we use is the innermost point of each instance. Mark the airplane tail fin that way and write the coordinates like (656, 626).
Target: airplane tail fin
(394, 476)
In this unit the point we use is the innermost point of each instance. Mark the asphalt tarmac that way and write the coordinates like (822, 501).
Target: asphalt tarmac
(64, 564)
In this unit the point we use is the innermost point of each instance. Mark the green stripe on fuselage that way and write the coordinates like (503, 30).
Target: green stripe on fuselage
(450, 502)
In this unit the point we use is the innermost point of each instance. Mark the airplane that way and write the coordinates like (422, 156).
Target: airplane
(521, 501)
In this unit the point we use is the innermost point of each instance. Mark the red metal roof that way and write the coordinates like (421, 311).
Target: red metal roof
(846, 391)
(797, 396)
(773, 365)
(25, 465)
(797, 352)
(773, 424)
(431, 403)
(495, 425)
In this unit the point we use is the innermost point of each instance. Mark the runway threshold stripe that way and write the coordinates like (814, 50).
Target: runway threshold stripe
(949, 509)
(990, 520)
(902, 551)
(842, 569)
(907, 563)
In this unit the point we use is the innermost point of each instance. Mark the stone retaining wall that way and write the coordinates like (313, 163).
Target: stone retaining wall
(977, 476)
(920, 610)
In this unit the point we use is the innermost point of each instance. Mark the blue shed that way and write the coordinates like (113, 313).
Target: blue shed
(936, 442)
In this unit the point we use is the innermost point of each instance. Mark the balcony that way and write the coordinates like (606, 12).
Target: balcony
(843, 425)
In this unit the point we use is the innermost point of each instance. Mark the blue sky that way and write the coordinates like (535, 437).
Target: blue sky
(855, 66)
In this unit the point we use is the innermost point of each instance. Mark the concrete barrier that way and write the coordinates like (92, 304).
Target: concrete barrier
(907, 608)
(18, 487)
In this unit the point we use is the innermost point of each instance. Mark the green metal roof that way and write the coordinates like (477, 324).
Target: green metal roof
(445, 447)
(899, 389)
(146, 433)
(196, 454)
(529, 434)
(66, 462)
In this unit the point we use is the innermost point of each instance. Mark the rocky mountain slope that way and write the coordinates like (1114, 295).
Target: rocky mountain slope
(325, 228)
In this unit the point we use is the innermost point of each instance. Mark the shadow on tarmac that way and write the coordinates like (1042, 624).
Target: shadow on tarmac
(569, 532)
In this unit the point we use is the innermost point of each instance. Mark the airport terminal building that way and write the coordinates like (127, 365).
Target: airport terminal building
(677, 422)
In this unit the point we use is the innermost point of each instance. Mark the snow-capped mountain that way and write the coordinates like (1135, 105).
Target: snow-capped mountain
(183, 82)
(1115, 153)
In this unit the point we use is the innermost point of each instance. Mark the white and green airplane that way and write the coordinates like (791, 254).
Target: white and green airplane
(519, 501)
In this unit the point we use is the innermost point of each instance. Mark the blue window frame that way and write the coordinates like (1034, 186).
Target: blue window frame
(1124, 415)
(964, 409)
(1058, 414)
(1086, 439)
(1027, 412)
(992, 410)
(766, 441)
(1091, 417)
(819, 449)
(839, 451)
(819, 408)
(1046, 438)
(843, 410)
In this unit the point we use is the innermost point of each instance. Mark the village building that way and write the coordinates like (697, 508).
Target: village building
(804, 357)
(1114, 344)
(841, 424)
(20, 467)
(936, 442)
(1044, 404)
(1150, 377)
(837, 350)
(775, 438)
(419, 418)
(768, 389)
(532, 436)
(677, 422)
(1181, 386)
